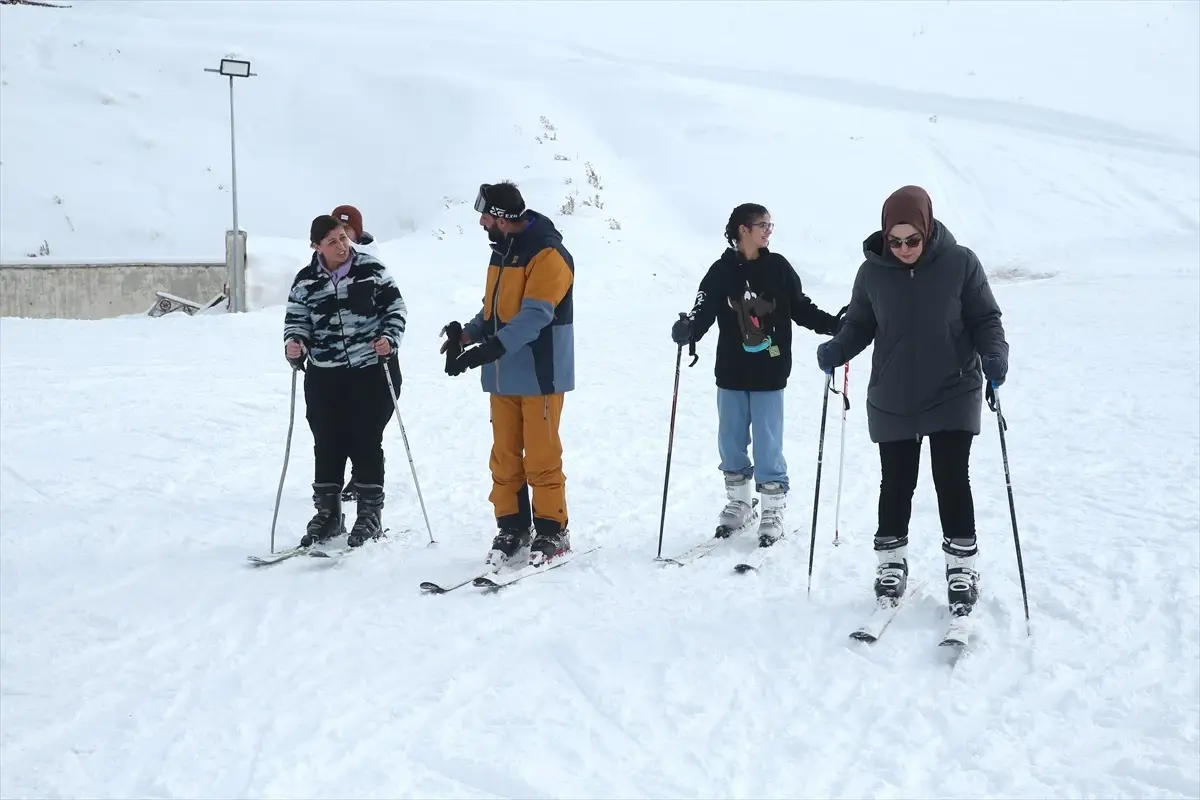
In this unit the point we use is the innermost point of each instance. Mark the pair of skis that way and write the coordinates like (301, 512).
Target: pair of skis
(955, 640)
(754, 562)
(498, 576)
(312, 550)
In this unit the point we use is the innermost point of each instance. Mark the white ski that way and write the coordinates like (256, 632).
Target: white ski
(275, 558)
(958, 633)
(883, 615)
(498, 580)
(712, 543)
(759, 557)
(432, 587)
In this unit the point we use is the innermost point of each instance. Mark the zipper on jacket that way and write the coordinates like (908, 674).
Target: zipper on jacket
(496, 306)
(337, 300)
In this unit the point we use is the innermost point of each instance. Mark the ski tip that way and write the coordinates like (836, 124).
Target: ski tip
(432, 588)
(863, 636)
(486, 583)
(741, 569)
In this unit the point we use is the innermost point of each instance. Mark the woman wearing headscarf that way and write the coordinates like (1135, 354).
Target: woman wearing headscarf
(924, 300)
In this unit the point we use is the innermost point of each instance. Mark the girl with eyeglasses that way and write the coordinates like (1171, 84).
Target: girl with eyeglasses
(924, 300)
(754, 295)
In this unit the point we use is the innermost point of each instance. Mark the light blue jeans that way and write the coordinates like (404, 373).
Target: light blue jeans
(740, 413)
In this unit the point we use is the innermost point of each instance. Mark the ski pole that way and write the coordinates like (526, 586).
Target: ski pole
(837, 513)
(287, 452)
(994, 402)
(662, 522)
(812, 545)
(404, 436)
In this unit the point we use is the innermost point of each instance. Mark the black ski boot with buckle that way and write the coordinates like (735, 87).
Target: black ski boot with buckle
(368, 525)
(508, 542)
(552, 540)
(329, 521)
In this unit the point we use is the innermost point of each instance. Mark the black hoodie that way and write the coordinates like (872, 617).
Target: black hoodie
(754, 304)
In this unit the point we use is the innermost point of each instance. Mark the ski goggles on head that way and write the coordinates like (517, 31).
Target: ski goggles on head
(484, 206)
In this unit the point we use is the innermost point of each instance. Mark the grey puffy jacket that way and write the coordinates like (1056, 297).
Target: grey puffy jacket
(930, 322)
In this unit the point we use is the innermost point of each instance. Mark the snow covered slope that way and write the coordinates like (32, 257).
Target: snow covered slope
(139, 458)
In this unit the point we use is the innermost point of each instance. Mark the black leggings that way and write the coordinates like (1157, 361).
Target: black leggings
(348, 410)
(950, 453)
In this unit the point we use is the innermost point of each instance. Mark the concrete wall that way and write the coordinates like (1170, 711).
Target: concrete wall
(98, 290)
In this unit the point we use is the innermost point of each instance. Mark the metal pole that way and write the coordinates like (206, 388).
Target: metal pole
(239, 275)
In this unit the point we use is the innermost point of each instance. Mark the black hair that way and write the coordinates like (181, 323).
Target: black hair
(322, 226)
(742, 215)
(506, 196)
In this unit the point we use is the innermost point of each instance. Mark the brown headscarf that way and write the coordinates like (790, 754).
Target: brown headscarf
(911, 205)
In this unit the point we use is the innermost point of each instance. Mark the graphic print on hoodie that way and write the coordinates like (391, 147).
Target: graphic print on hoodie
(753, 316)
(754, 305)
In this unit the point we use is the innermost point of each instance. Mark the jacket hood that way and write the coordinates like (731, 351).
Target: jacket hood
(734, 256)
(541, 230)
(876, 252)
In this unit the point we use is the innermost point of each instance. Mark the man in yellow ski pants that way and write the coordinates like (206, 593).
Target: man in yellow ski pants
(524, 342)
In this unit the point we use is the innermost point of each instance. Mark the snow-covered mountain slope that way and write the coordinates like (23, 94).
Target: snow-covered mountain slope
(139, 458)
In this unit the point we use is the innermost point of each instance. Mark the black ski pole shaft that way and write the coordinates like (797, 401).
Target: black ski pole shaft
(812, 545)
(662, 523)
(287, 452)
(1012, 508)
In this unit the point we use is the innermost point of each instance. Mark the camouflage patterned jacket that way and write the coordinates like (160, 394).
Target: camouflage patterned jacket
(338, 322)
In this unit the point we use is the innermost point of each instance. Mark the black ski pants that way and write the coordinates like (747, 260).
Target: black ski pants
(949, 455)
(348, 410)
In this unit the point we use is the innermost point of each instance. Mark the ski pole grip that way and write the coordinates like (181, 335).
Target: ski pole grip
(691, 344)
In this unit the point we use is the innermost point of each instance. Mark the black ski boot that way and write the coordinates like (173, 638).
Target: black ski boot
(962, 581)
(891, 576)
(551, 541)
(369, 523)
(329, 521)
(508, 543)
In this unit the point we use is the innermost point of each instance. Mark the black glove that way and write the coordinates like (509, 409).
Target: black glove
(452, 347)
(995, 369)
(477, 356)
(681, 331)
(830, 356)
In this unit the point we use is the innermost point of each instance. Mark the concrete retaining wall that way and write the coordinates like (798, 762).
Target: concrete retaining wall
(98, 290)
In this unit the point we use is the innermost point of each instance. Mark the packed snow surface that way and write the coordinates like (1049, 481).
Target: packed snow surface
(139, 461)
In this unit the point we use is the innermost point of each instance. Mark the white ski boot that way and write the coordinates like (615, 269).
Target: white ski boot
(962, 580)
(774, 504)
(891, 576)
(739, 512)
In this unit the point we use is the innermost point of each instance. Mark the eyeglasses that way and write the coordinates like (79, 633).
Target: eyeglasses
(911, 241)
(767, 227)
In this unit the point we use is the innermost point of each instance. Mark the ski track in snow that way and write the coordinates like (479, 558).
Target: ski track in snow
(142, 658)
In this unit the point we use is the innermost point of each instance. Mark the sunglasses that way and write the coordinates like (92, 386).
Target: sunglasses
(911, 241)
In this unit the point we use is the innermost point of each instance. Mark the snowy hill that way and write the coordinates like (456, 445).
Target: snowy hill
(139, 458)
